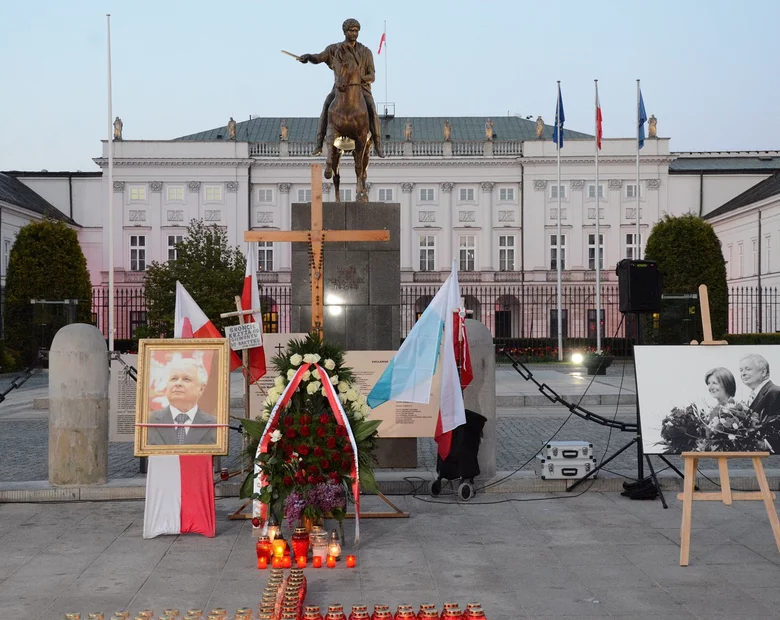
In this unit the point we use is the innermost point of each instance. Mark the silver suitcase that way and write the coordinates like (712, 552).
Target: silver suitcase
(560, 450)
(563, 469)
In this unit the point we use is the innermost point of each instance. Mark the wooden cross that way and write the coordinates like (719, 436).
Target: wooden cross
(315, 238)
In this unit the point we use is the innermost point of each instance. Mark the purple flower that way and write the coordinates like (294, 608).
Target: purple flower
(326, 496)
(294, 505)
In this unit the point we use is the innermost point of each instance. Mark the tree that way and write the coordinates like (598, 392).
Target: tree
(46, 263)
(210, 270)
(688, 254)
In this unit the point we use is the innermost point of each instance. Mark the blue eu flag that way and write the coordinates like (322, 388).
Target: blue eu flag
(559, 119)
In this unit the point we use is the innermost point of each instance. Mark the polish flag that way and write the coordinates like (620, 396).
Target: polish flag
(463, 361)
(382, 43)
(599, 130)
(180, 488)
(190, 322)
(250, 300)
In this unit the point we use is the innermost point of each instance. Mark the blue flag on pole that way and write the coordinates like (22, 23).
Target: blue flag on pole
(642, 119)
(559, 119)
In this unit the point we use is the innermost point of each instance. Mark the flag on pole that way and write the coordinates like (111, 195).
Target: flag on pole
(250, 300)
(463, 363)
(559, 120)
(641, 119)
(191, 322)
(409, 375)
(382, 42)
(599, 130)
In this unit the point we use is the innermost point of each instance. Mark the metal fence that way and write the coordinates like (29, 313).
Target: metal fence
(517, 314)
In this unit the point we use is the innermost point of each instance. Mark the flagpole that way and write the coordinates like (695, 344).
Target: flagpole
(558, 239)
(598, 231)
(110, 199)
(385, 51)
(638, 255)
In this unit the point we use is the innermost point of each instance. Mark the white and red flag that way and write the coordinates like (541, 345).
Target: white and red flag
(250, 300)
(382, 42)
(599, 130)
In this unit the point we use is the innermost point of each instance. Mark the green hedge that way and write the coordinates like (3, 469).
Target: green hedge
(771, 338)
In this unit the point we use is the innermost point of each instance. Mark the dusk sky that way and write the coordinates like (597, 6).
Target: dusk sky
(708, 67)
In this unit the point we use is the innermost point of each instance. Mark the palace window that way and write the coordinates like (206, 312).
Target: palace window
(506, 194)
(467, 251)
(427, 253)
(304, 195)
(427, 194)
(466, 194)
(265, 255)
(554, 252)
(173, 252)
(554, 192)
(592, 191)
(592, 251)
(7, 245)
(386, 194)
(175, 193)
(631, 190)
(767, 249)
(506, 252)
(631, 253)
(265, 195)
(137, 252)
(740, 260)
(138, 194)
(345, 195)
(213, 193)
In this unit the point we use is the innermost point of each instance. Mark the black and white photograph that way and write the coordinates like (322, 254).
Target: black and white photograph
(709, 398)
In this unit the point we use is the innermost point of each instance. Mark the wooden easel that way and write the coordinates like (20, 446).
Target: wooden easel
(241, 314)
(316, 237)
(726, 495)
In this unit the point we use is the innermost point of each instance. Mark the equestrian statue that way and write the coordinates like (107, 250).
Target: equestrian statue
(349, 122)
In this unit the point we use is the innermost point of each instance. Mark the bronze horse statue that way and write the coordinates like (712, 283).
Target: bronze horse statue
(348, 125)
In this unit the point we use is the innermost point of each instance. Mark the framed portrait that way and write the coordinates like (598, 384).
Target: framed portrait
(709, 398)
(183, 398)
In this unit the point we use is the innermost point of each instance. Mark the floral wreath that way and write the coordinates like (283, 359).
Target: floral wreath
(313, 444)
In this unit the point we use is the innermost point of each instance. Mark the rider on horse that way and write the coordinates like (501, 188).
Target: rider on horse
(365, 62)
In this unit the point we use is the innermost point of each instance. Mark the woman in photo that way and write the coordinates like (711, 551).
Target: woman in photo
(722, 387)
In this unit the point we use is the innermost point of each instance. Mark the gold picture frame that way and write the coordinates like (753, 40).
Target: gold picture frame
(188, 376)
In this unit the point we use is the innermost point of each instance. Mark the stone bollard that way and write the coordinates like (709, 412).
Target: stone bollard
(480, 395)
(78, 407)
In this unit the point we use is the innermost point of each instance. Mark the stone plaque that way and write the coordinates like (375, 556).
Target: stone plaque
(122, 390)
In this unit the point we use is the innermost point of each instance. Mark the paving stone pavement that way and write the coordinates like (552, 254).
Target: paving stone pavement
(596, 555)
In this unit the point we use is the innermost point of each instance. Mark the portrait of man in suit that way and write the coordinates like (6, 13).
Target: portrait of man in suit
(764, 397)
(186, 380)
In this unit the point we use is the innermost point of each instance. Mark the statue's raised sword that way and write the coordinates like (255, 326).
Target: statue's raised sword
(291, 54)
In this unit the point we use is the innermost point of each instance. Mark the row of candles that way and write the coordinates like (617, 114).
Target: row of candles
(289, 608)
(273, 550)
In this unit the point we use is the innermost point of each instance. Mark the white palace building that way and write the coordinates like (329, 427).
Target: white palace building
(488, 201)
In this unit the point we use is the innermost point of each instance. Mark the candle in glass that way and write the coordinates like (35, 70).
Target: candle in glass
(286, 562)
(351, 561)
(316, 561)
(276, 562)
(331, 563)
(262, 562)
(279, 546)
(274, 532)
(301, 561)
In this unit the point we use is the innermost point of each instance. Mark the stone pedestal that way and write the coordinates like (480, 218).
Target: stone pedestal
(362, 288)
(78, 407)
(480, 395)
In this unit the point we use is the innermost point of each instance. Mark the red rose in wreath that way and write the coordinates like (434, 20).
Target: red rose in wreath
(288, 420)
(334, 475)
(290, 433)
(347, 448)
(304, 431)
(331, 443)
(288, 481)
(303, 450)
(341, 431)
(305, 419)
(318, 451)
(325, 464)
(312, 480)
(324, 418)
(322, 431)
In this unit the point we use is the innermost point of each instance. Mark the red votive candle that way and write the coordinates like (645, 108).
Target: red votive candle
(301, 561)
(276, 562)
(331, 563)
(351, 561)
(262, 562)
(286, 562)
(316, 561)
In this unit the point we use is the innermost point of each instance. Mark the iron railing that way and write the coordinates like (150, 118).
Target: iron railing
(513, 311)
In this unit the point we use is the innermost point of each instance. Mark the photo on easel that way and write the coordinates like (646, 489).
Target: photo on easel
(709, 398)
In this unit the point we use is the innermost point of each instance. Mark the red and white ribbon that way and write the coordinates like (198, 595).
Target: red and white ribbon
(260, 509)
